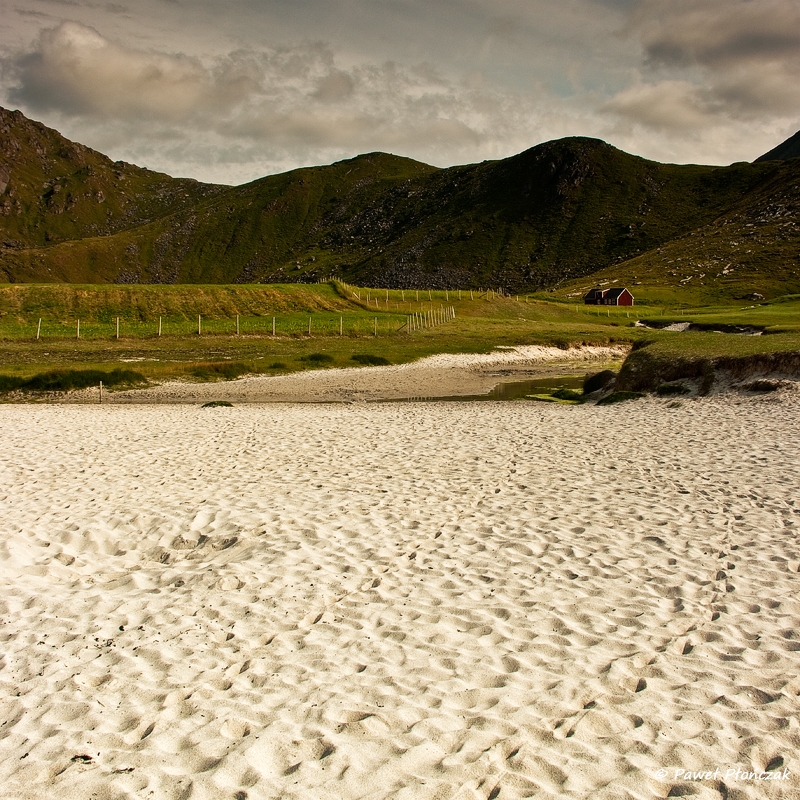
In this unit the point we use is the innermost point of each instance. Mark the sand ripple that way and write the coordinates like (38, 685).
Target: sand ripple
(405, 600)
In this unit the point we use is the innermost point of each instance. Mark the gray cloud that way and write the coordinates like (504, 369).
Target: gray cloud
(298, 103)
(718, 33)
(334, 87)
(670, 105)
(229, 90)
(74, 69)
(713, 65)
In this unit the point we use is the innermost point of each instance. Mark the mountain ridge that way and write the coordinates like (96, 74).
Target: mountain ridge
(559, 211)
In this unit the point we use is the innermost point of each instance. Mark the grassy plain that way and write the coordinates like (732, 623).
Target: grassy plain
(374, 324)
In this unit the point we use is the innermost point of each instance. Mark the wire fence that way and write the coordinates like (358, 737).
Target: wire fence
(278, 325)
(376, 312)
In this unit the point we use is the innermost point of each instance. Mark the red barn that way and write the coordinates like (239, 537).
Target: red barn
(608, 297)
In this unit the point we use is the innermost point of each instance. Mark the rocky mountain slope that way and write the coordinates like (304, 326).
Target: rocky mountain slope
(559, 211)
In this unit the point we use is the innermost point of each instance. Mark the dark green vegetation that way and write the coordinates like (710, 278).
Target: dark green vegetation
(370, 360)
(53, 191)
(217, 404)
(318, 358)
(561, 211)
(568, 394)
(704, 357)
(64, 380)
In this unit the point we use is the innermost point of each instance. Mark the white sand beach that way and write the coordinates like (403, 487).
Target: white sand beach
(400, 600)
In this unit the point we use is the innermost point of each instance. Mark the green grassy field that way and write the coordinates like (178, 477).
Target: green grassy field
(345, 322)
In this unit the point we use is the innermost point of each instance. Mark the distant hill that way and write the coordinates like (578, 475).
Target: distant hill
(562, 210)
(785, 150)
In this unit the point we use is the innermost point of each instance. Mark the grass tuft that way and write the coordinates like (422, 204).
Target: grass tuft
(370, 359)
(220, 370)
(568, 394)
(217, 404)
(317, 358)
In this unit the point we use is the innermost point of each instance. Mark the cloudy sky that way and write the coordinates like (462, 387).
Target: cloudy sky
(230, 90)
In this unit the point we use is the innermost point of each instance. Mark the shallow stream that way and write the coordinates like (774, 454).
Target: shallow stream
(511, 390)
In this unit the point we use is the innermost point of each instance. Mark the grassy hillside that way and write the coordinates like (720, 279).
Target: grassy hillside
(562, 211)
(754, 247)
(54, 190)
(22, 303)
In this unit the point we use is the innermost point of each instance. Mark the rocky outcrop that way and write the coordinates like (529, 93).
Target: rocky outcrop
(646, 369)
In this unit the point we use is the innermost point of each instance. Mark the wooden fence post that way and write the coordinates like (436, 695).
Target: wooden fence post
(39, 329)
(198, 325)
(117, 327)
(159, 326)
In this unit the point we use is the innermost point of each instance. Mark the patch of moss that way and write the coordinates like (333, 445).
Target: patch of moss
(568, 394)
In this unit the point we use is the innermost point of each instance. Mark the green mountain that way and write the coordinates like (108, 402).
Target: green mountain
(560, 211)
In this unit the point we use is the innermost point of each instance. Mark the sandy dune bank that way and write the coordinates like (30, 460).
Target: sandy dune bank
(436, 376)
(411, 601)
